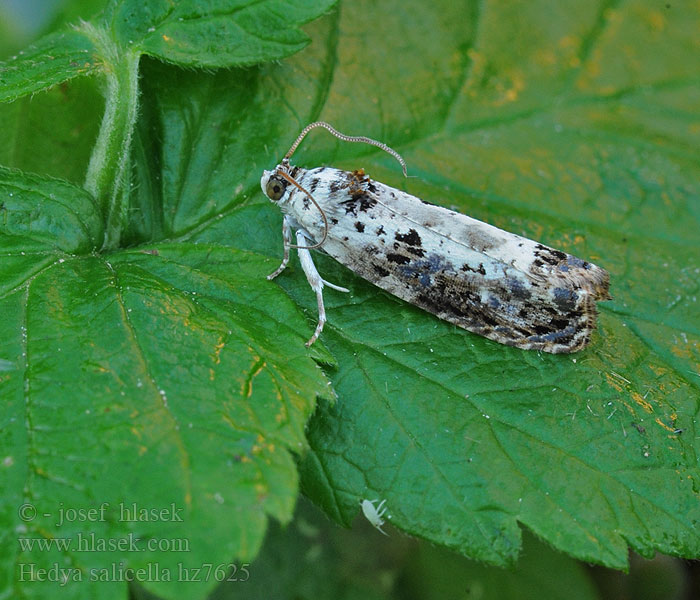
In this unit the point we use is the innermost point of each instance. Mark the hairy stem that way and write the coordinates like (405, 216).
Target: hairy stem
(108, 173)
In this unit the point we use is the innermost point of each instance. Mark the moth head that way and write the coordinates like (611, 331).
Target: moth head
(273, 185)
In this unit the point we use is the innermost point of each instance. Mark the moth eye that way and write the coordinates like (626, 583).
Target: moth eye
(275, 187)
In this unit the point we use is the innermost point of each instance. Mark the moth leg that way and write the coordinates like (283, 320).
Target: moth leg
(287, 240)
(315, 281)
(335, 287)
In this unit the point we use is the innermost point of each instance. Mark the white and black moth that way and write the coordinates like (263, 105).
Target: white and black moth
(500, 285)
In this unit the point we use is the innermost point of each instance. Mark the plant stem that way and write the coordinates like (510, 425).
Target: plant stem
(108, 173)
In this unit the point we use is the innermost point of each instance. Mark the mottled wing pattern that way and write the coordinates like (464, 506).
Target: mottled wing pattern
(500, 285)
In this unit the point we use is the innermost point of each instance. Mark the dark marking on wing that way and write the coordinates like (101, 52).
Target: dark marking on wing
(559, 323)
(359, 202)
(565, 299)
(380, 230)
(572, 261)
(366, 202)
(549, 255)
(359, 226)
(480, 269)
(399, 259)
(518, 289)
(412, 242)
(379, 270)
(412, 238)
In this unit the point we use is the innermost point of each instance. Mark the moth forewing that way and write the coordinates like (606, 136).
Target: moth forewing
(500, 285)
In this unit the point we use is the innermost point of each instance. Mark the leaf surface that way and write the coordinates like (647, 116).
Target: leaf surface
(189, 398)
(208, 33)
(556, 137)
(211, 33)
(56, 58)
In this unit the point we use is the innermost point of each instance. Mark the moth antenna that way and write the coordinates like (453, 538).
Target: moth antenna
(294, 182)
(346, 138)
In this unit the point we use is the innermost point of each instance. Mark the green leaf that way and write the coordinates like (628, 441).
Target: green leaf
(46, 214)
(465, 439)
(163, 378)
(54, 59)
(204, 34)
(52, 132)
(199, 34)
(212, 33)
(153, 408)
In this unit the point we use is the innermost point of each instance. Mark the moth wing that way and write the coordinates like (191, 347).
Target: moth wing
(500, 285)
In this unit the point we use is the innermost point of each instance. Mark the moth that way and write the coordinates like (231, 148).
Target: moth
(497, 284)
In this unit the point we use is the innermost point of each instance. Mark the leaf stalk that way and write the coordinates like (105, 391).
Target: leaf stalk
(108, 173)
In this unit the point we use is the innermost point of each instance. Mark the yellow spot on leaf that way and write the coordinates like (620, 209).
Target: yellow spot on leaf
(218, 347)
(509, 92)
(613, 383)
(639, 399)
(166, 38)
(660, 422)
(658, 370)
